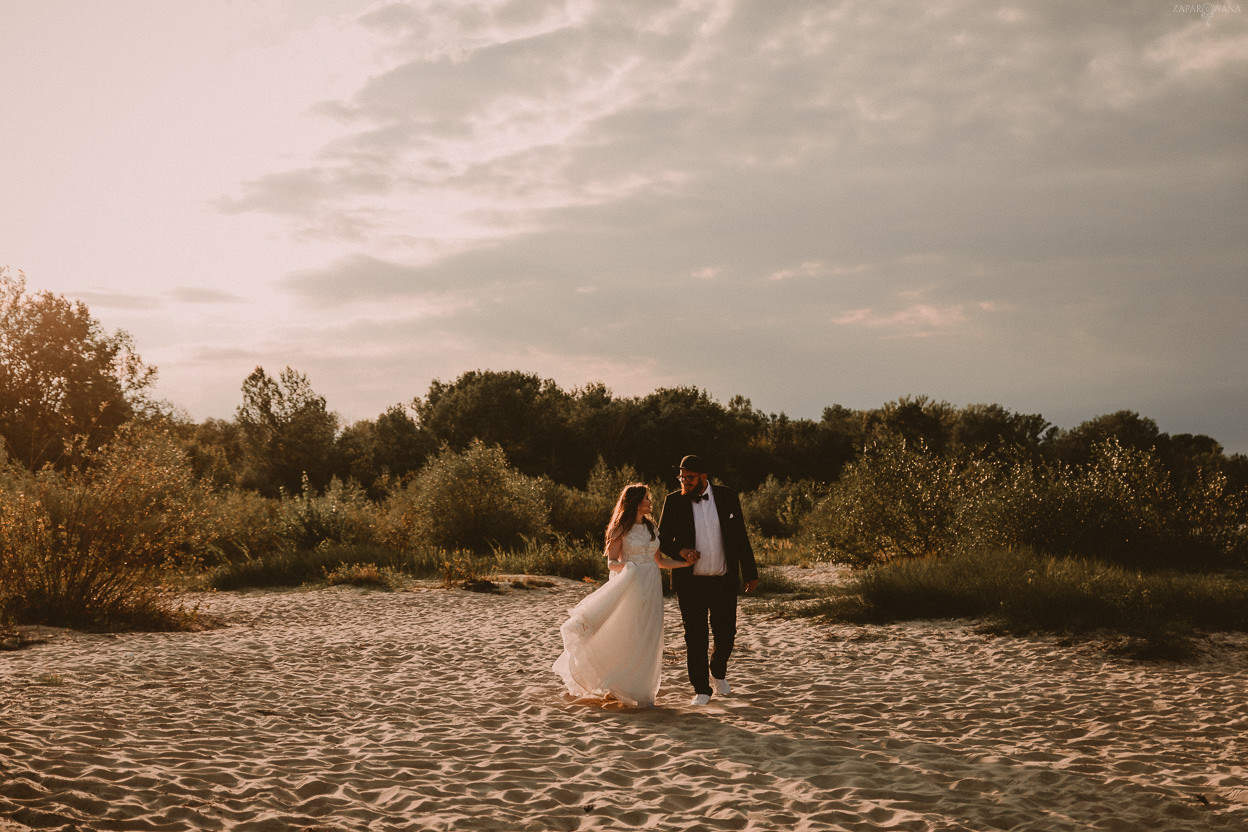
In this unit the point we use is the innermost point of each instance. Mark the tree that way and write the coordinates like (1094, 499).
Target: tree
(61, 375)
(400, 446)
(523, 414)
(214, 448)
(989, 429)
(378, 454)
(674, 421)
(356, 452)
(915, 419)
(1126, 427)
(801, 449)
(289, 433)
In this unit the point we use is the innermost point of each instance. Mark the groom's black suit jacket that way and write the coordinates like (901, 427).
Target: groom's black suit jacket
(677, 531)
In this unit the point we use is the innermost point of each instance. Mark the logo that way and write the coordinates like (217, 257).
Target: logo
(1208, 10)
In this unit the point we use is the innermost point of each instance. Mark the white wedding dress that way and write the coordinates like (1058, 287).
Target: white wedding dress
(613, 639)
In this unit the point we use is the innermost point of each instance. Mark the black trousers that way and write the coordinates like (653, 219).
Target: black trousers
(708, 599)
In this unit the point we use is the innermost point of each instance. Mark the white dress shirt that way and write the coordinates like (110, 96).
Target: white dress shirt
(709, 540)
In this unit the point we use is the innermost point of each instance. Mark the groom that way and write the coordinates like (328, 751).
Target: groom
(707, 519)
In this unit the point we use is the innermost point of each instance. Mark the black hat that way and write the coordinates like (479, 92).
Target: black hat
(693, 463)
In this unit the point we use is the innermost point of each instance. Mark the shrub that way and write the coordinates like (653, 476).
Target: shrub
(584, 514)
(574, 513)
(605, 484)
(899, 500)
(469, 499)
(902, 501)
(1122, 506)
(364, 575)
(10, 637)
(342, 513)
(777, 509)
(241, 524)
(464, 569)
(90, 546)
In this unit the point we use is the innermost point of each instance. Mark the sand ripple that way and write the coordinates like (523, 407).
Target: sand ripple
(345, 709)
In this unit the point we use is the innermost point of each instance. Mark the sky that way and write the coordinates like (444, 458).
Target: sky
(805, 202)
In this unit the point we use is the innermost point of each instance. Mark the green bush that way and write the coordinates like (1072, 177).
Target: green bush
(469, 499)
(93, 544)
(241, 525)
(573, 513)
(898, 500)
(342, 513)
(584, 514)
(1122, 506)
(778, 509)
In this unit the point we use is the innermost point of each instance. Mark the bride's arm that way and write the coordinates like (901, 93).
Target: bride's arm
(615, 554)
(672, 563)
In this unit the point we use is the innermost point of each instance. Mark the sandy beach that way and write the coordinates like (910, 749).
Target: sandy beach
(348, 709)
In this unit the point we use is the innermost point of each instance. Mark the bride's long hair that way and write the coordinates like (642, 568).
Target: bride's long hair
(624, 517)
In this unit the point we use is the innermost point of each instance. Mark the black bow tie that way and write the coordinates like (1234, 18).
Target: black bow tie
(697, 498)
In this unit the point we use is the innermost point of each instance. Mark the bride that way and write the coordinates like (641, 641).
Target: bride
(613, 639)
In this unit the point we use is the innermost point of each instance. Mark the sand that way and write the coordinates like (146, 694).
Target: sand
(351, 709)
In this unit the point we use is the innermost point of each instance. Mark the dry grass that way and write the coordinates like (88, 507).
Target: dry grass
(1155, 615)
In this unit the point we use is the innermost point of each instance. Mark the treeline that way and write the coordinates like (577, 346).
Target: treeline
(102, 488)
(284, 435)
(66, 384)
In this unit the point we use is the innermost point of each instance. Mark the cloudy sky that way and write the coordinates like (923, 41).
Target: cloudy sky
(804, 202)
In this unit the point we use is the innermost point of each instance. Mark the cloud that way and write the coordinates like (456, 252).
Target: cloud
(509, 117)
(1053, 190)
(921, 316)
(361, 277)
(299, 191)
(766, 199)
(201, 295)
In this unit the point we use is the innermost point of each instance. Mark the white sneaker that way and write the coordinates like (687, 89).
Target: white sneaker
(721, 686)
(700, 699)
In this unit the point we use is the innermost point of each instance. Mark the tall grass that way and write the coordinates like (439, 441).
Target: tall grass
(295, 567)
(783, 551)
(1159, 613)
(772, 582)
(560, 557)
